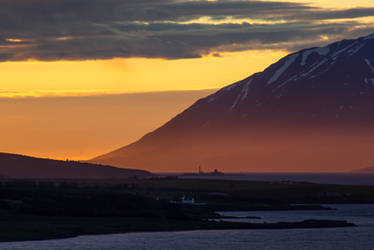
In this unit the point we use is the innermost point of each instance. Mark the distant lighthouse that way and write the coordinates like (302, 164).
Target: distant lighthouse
(200, 171)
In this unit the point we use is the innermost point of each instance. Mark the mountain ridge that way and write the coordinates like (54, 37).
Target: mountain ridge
(324, 92)
(26, 167)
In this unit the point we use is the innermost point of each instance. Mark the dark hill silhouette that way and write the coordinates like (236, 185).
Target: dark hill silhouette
(18, 166)
(311, 111)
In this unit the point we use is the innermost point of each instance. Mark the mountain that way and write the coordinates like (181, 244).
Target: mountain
(18, 166)
(312, 111)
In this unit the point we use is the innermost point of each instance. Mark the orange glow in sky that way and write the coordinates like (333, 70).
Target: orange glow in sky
(28, 123)
(34, 78)
(130, 75)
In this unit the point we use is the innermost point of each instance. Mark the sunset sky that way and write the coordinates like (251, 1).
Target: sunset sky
(74, 58)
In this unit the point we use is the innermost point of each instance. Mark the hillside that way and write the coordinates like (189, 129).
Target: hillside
(18, 166)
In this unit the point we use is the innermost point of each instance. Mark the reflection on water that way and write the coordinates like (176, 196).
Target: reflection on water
(359, 238)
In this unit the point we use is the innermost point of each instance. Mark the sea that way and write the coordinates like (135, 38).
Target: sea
(320, 178)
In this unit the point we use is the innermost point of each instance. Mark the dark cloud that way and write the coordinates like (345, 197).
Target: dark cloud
(102, 29)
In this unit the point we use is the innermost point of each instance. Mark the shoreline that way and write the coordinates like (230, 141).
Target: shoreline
(46, 210)
(110, 226)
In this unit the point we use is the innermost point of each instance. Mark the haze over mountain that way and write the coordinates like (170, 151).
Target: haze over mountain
(24, 167)
(312, 111)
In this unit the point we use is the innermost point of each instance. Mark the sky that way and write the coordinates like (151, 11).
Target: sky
(64, 50)
(81, 128)
(80, 47)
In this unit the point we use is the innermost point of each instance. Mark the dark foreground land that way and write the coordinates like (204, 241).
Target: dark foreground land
(26, 228)
(38, 210)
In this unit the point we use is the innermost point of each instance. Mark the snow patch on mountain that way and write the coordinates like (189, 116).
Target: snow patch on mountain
(303, 66)
(369, 64)
(211, 99)
(341, 51)
(314, 67)
(243, 94)
(356, 49)
(235, 102)
(324, 51)
(289, 61)
(230, 87)
(246, 89)
(369, 37)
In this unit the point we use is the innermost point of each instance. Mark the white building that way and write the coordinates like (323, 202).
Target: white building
(187, 200)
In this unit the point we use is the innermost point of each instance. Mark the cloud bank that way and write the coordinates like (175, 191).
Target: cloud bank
(51, 30)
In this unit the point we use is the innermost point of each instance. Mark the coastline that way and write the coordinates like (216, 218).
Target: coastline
(45, 210)
(35, 229)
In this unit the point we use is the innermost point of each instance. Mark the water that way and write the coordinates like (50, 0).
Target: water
(320, 178)
(359, 238)
(362, 215)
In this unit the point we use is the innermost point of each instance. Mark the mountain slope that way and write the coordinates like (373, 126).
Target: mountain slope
(18, 166)
(310, 111)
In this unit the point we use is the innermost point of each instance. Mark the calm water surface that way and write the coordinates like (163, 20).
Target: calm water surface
(360, 238)
(321, 178)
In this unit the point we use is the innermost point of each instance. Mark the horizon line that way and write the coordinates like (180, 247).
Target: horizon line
(4, 95)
